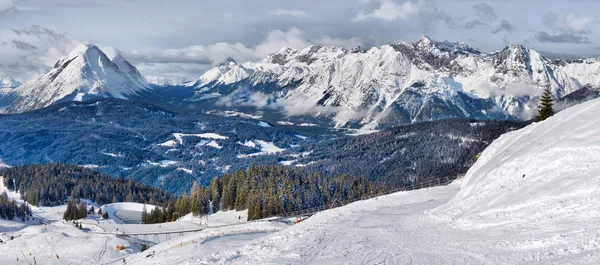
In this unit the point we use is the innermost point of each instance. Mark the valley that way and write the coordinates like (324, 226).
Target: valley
(314, 132)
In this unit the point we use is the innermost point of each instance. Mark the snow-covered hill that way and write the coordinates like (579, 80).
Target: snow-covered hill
(397, 84)
(544, 174)
(85, 73)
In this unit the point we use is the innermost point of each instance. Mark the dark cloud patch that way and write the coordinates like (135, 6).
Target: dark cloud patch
(475, 23)
(43, 33)
(504, 26)
(486, 12)
(544, 37)
(462, 23)
(21, 45)
(568, 22)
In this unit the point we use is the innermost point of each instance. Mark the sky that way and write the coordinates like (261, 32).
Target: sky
(183, 38)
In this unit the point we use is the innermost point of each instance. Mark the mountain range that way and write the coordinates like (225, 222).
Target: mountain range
(382, 87)
(397, 84)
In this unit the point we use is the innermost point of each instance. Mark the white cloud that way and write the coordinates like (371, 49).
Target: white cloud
(568, 22)
(243, 96)
(389, 10)
(28, 53)
(7, 6)
(210, 55)
(288, 12)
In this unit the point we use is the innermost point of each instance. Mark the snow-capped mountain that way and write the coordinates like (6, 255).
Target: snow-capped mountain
(9, 82)
(226, 73)
(85, 73)
(399, 83)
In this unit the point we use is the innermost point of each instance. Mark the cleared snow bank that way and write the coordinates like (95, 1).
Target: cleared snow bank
(544, 173)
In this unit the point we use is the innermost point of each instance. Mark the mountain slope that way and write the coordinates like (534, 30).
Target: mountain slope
(8, 93)
(396, 84)
(84, 74)
(546, 173)
(147, 144)
(425, 151)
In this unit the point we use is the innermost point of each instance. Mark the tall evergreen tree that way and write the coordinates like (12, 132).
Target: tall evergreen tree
(215, 193)
(144, 215)
(82, 210)
(545, 109)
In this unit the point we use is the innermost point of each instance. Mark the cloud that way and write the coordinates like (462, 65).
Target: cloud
(288, 12)
(389, 10)
(486, 12)
(210, 55)
(216, 53)
(504, 26)
(544, 37)
(28, 53)
(21, 45)
(7, 6)
(568, 22)
(243, 96)
(463, 23)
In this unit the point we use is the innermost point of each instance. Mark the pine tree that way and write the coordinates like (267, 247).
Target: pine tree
(144, 215)
(215, 193)
(196, 203)
(545, 108)
(170, 210)
(82, 210)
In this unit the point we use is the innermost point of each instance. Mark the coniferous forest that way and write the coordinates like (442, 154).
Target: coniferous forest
(9, 209)
(53, 184)
(265, 191)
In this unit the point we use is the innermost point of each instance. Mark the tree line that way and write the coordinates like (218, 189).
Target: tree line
(265, 191)
(53, 184)
(9, 209)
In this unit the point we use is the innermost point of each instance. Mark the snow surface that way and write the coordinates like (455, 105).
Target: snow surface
(112, 154)
(214, 144)
(169, 143)
(179, 136)
(544, 174)
(113, 208)
(189, 171)
(265, 148)
(264, 124)
(162, 163)
(301, 136)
